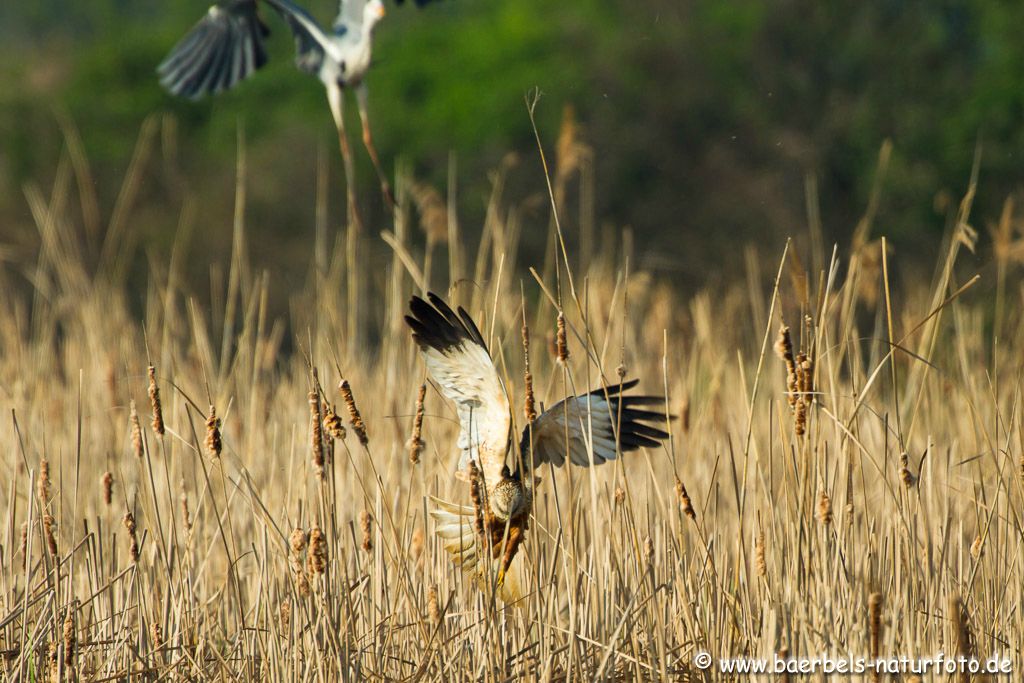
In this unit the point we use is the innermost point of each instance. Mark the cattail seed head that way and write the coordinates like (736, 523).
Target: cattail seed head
(317, 437)
(684, 500)
(561, 345)
(186, 517)
(285, 615)
(906, 476)
(70, 637)
(433, 608)
(24, 544)
(529, 404)
(354, 418)
(156, 634)
(824, 508)
(784, 349)
(43, 485)
(316, 560)
(366, 525)
(133, 547)
(649, 550)
(51, 538)
(332, 424)
(154, 402)
(875, 623)
(961, 629)
(760, 554)
(297, 542)
(108, 488)
(620, 496)
(684, 415)
(415, 443)
(977, 550)
(213, 440)
(136, 428)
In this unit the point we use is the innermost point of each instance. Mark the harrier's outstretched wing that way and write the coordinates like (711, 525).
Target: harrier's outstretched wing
(457, 359)
(573, 425)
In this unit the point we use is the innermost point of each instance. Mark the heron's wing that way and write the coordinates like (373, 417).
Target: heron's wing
(457, 359)
(589, 424)
(310, 38)
(223, 48)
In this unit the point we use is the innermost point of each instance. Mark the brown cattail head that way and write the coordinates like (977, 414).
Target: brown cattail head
(433, 608)
(760, 553)
(800, 418)
(136, 427)
(875, 623)
(977, 548)
(317, 436)
(906, 476)
(285, 615)
(156, 633)
(784, 348)
(51, 538)
(354, 418)
(133, 547)
(186, 517)
(684, 414)
(43, 485)
(316, 560)
(415, 443)
(961, 628)
(366, 526)
(213, 441)
(649, 550)
(476, 494)
(824, 508)
(297, 542)
(70, 637)
(684, 500)
(620, 496)
(24, 544)
(529, 405)
(154, 402)
(561, 345)
(332, 423)
(108, 488)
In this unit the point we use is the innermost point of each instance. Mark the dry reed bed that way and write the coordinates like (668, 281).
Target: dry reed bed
(270, 540)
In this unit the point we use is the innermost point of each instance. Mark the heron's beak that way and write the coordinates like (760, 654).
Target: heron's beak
(381, 11)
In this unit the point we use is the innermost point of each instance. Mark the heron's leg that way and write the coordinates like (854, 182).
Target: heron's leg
(355, 227)
(364, 115)
(335, 97)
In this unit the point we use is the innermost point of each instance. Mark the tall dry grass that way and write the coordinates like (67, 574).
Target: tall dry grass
(183, 500)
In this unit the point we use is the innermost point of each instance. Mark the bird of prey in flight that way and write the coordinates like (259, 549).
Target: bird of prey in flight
(226, 46)
(588, 429)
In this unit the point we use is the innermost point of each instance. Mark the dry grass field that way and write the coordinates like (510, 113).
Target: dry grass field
(866, 497)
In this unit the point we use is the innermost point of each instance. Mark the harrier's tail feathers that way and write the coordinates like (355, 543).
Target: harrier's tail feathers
(455, 526)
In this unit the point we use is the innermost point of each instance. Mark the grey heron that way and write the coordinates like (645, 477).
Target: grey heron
(226, 46)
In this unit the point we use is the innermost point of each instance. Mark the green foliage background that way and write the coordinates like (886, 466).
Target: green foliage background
(707, 117)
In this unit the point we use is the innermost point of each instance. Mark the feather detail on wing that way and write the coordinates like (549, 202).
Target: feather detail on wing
(455, 525)
(587, 425)
(457, 359)
(223, 48)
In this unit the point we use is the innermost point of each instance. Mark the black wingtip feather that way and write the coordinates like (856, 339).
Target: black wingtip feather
(435, 325)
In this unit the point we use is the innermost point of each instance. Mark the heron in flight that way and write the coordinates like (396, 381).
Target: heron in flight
(227, 46)
(591, 428)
